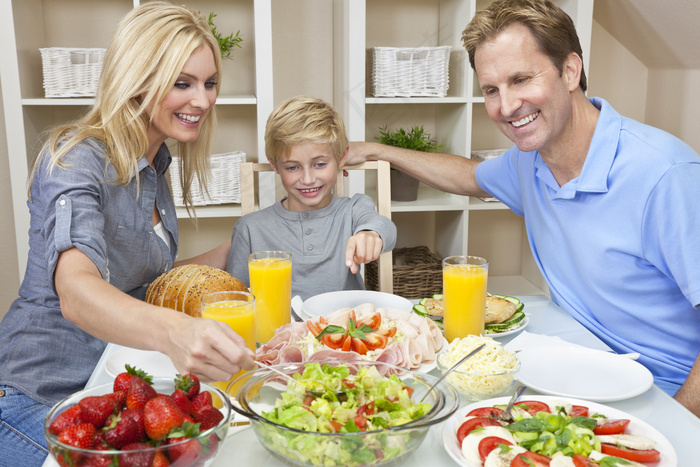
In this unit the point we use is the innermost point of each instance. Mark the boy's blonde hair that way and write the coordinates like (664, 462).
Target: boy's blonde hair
(301, 119)
(143, 61)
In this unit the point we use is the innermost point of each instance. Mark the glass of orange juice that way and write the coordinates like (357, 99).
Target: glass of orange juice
(237, 309)
(464, 293)
(270, 275)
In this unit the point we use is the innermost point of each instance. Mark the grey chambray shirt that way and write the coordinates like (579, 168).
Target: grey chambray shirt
(41, 353)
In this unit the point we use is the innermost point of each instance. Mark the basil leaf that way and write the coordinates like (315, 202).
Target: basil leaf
(331, 329)
(366, 329)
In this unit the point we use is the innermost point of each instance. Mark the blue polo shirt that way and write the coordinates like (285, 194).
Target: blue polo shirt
(619, 246)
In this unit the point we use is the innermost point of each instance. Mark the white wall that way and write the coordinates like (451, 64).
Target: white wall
(616, 75)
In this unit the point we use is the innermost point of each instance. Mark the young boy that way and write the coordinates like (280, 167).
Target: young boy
(328, 236)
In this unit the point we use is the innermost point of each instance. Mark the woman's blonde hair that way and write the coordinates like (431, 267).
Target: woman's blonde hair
(142, 63)
(552, 28)
(300, 119)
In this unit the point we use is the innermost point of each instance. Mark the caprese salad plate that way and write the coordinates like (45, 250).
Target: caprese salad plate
(464, 448)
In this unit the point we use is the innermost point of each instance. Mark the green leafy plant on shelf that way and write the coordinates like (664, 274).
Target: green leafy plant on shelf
(416, 138)
(227, 43)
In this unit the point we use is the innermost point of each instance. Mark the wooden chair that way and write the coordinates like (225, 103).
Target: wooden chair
(249, 170)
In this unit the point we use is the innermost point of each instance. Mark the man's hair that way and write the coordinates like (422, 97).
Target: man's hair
(552, 28)
(301, 119)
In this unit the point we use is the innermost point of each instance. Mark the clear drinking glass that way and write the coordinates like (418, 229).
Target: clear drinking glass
(464, 292)
(270, 275)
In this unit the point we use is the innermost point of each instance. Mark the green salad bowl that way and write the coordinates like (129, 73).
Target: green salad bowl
(255, 394)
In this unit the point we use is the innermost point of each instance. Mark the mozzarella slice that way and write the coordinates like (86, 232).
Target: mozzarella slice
(562, 461)
(628, 441)
(554, 404)
(496, 458)
(470, 445)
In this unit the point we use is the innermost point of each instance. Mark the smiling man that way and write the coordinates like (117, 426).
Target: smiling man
(610, 204)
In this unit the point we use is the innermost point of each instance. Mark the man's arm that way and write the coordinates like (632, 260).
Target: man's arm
(689, 393)
(446, 172)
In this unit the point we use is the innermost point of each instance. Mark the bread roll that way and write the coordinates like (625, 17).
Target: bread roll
(182, 288)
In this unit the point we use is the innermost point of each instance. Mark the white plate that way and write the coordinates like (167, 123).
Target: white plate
(152, 362)
(521, 326)
(585, 373)
(636, 427)
(326, 303)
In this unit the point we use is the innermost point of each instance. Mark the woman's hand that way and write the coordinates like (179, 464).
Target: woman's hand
(209, 349)
(363, 247)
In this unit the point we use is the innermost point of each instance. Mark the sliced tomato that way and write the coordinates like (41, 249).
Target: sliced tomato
(308, 400)
(491, 412)
(388, 332)
(361, 422)
(582, 461)
(347, 344)
(578, 411)
(637, 455)
(409, 390)
(374, 341)
(334, 341)
(530, 459)
(373, 320)
(612, 426)
(314, 328)
(358, 345)
(532, 407)
(336, 426)
(366, 409)
(490, 443)
(472, 424)
(322, 320)
(348, 384)
(352, 316)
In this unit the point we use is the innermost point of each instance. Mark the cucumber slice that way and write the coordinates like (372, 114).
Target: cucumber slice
(520, 305)
(422, 301)
(517, 317)
(420, 309)
(438, 296)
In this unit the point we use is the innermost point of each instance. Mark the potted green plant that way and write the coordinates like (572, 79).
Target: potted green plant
(226, 43)
(404, 187)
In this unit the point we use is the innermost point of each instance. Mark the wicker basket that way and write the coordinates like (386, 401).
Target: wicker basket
(71, 72)
(406, 72)
(417, 273)
(223, 184)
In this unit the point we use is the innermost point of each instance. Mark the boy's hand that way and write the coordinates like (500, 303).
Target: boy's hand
(363, 247)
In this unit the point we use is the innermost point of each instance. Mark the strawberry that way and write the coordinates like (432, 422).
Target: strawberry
(189, 384)
(119, 399)
(208, 417)
(182, 401)
(203, 399)
(97, 460)
(69, 417)
(139, 392)
(210, 447)
(137, 416)
(160, 460)
(121, 382)
(80, 436)
(181, 452)
(137, 459)
(96, 409)
(160, 415)
(121, 431)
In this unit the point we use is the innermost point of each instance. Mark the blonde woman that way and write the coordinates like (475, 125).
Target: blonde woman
(103, 226)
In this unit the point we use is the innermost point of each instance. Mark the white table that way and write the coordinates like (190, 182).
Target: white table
(655, 407)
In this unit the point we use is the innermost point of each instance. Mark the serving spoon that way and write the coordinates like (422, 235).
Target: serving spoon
(451, 369)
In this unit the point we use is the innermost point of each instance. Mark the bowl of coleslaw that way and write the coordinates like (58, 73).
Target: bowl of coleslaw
(491, 372)
(346, 413)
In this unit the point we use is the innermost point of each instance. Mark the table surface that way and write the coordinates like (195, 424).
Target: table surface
(654, 407)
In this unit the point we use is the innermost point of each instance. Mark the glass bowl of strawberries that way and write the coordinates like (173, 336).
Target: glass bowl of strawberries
(139, 421)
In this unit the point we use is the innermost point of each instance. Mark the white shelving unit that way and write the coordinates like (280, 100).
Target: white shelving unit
(27, 25)
(449, 224)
